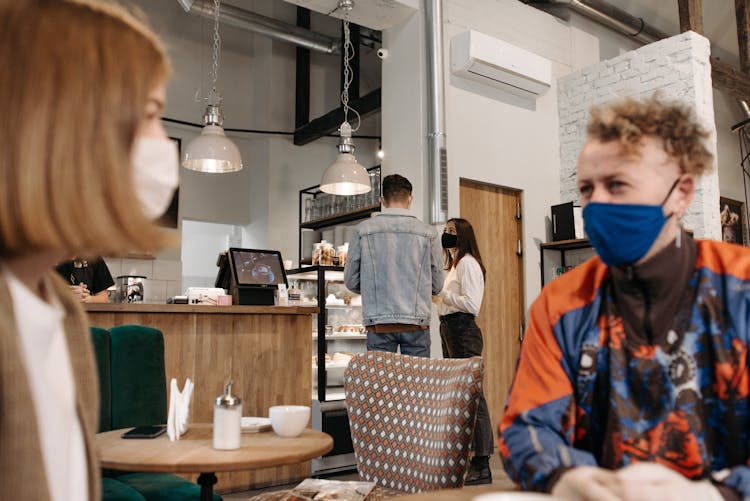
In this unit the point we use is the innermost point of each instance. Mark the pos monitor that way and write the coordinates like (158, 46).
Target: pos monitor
(254, 274)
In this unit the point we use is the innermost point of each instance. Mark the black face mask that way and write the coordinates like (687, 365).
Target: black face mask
(449, 241)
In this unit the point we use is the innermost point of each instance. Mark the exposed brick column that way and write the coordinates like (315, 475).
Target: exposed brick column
(677, 68)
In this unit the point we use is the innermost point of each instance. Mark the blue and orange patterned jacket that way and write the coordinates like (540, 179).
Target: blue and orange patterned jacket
(584, 394)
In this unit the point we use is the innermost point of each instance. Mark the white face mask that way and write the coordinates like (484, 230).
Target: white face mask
(155, 174)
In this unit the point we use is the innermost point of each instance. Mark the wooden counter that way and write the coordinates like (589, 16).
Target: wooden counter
(265, 349)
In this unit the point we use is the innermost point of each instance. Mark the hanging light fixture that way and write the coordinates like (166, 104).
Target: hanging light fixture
(213, 151)
(346, 176)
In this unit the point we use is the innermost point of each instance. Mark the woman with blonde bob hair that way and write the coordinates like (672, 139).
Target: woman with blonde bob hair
(86, 167)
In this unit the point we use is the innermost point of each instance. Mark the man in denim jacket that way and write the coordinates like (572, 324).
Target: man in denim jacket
(395, 262)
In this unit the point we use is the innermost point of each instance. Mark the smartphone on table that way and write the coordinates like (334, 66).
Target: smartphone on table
(145, 431)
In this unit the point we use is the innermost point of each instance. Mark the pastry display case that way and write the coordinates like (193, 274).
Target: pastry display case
(337, 334)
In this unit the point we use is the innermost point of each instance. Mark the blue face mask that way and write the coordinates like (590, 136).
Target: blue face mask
(623, 233)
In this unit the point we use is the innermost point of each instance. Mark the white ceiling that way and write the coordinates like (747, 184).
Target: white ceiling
(719, 23)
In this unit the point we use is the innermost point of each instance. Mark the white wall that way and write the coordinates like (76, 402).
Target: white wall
(495, 139)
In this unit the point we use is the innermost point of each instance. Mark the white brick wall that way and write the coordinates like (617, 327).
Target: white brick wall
(164, 277)
(677, 68)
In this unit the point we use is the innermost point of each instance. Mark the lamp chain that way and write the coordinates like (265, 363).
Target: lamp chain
(348, 74)
(213, 96)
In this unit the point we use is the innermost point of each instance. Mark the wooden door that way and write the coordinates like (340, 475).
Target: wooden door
(495, 214)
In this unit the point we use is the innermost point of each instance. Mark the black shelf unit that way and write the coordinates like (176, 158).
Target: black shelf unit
(562, 246)
(320, 272)
(331, 220)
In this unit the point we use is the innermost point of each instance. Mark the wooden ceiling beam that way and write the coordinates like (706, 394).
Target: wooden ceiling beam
(729, 79)
(691, 15)
(742, 11)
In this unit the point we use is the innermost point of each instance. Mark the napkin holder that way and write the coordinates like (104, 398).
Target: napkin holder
(179, 409)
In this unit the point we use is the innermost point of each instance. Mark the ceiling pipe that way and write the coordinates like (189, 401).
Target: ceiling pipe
(277, 30)
(437, 157)
(606, 14)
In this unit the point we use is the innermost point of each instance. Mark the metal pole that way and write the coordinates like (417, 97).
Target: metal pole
(437, 164)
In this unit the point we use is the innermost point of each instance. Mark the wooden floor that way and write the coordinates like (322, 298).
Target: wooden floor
(499, 478)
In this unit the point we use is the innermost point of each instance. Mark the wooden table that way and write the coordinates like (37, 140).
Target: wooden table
(452, 494)
(194, 453)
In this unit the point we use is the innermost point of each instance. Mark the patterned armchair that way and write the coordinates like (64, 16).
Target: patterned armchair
(412, 418)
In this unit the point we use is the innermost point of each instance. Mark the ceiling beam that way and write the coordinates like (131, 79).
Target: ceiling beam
(691, 15)
(331, 121)
(729, 79)
(742, 11)
(302, 74)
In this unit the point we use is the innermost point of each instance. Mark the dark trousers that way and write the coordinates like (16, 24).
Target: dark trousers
(462, 338)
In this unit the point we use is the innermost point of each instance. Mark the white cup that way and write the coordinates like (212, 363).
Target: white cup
(287, 264)
(289, 420)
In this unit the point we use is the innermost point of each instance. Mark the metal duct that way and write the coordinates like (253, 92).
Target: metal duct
(606, 14)
(437, 157)
(263, 25)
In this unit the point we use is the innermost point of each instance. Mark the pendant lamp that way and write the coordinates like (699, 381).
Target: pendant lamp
(346, 176)
(213, 151)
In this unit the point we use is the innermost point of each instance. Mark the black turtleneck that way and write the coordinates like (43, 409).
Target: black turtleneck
(648, 295)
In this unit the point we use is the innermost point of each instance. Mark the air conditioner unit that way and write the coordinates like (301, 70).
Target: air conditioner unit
(493, 62)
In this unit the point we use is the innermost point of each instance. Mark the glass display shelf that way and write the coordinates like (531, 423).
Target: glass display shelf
(343, 336)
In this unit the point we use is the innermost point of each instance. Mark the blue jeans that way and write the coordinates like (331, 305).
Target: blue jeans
(415, 342)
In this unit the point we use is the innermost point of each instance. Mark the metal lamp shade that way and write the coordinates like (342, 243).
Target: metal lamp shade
(213, 152)
(345, 177)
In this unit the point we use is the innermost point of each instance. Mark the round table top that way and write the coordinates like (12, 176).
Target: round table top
(453, 494)
(194, 452)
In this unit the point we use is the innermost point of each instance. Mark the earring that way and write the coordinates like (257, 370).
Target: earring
(678, 236)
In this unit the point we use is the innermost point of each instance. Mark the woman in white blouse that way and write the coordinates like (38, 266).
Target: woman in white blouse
(458, 305)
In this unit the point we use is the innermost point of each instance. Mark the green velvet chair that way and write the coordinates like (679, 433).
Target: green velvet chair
(133, 387)
(100, 338)
(139, 384)
(114, 490)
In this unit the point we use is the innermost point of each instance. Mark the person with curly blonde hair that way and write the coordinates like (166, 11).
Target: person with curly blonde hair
(86, 167)
(632, 382)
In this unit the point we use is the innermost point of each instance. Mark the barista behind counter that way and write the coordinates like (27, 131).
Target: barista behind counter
(88, 279)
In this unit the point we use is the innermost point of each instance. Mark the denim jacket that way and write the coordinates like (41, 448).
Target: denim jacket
(395, 262)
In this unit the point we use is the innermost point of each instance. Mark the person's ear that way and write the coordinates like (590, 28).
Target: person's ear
(408, 205)
(685, 190)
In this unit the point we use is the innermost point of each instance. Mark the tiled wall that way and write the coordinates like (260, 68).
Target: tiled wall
(677, 68)
(164, 277)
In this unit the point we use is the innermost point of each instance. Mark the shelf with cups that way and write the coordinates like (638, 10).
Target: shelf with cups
(344, 217)
(562, 247)
(324, 217)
